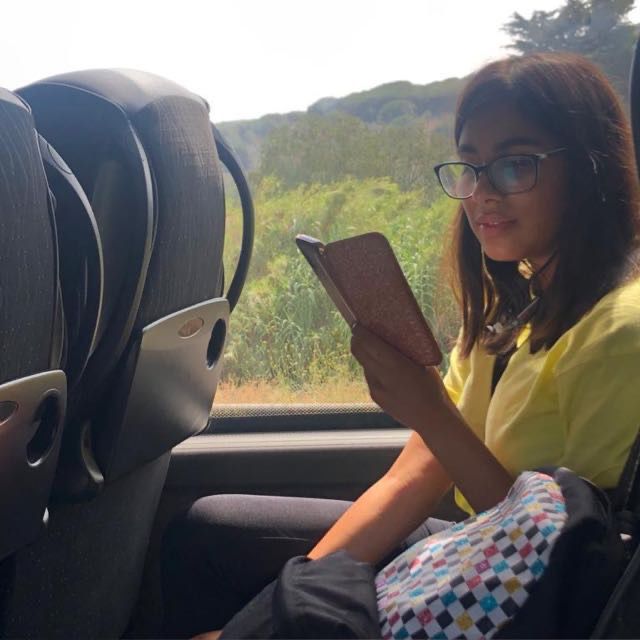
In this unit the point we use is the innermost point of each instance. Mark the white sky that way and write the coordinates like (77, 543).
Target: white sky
(252, 57)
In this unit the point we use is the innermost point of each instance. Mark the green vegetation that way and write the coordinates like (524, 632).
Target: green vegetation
(325, 149)
(285, 326)
(247, 136)
(385, 112)
(597, 29)
(332, 176)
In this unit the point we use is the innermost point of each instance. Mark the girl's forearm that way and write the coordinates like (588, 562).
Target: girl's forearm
(473, 468)
(390, 509)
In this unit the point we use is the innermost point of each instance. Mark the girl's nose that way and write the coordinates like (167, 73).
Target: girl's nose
(484, 190)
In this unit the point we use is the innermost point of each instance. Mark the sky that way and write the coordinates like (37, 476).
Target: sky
(253, 57)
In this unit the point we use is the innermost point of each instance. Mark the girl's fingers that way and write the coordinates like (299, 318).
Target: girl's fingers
(375, 387)
(366, 345)
(372, 380)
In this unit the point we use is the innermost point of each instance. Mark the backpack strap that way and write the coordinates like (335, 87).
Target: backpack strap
(626, 507)
(626, 497)
(612, 623)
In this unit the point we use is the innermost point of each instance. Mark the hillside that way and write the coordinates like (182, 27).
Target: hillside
(396, 102)
(246, 136)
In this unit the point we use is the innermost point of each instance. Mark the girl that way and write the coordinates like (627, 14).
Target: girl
(545, 368)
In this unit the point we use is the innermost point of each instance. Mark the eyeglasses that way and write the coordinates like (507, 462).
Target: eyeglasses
(507, 175)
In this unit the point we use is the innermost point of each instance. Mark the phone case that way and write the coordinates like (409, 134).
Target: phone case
(370, 280)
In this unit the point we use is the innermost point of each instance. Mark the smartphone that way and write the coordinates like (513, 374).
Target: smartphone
(365, 282)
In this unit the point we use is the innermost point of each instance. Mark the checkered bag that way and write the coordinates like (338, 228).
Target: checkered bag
(469, 580)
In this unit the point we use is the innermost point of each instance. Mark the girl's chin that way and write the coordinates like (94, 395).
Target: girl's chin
(502, 255)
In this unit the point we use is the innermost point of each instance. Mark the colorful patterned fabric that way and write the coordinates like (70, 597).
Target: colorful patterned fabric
(468, 580)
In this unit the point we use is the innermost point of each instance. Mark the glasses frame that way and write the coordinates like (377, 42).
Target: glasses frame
(478, 169)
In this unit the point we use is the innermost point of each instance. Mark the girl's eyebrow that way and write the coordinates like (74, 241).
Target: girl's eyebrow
(466, 148)
(504, 144)
(517, 141)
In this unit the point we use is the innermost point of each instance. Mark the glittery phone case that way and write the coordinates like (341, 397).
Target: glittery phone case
(365, 277)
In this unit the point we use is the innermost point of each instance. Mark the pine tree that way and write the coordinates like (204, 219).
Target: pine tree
(598, 29)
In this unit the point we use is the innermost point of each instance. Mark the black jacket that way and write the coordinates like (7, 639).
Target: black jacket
(333, 597)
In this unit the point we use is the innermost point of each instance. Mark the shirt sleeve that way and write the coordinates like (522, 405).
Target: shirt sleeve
(457, 374)
(600, 403)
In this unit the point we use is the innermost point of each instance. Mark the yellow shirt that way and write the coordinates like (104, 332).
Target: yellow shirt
(576, 405)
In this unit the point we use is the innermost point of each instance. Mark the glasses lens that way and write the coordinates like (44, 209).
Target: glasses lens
(458, 179)
(513, 174)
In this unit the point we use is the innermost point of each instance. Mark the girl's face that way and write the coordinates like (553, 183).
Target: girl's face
(517, 226)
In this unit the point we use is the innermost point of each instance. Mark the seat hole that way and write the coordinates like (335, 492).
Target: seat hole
(216, 343)
(46, 421)
(7, 409)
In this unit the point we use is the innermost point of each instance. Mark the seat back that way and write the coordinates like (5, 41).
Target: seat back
(32, 387)
(28, 278)
(143, 151)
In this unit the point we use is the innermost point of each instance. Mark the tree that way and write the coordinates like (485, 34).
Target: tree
(597, 29)
(326, 149)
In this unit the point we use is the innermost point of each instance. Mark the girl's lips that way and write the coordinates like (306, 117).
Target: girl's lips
(494, 227)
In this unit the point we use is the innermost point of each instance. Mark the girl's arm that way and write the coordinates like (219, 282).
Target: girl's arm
(416, 397)
(475, 470)
(391, 508)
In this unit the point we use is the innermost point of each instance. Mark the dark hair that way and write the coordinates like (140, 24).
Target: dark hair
(569, 98)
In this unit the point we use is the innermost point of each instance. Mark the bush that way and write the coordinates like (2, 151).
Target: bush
(285, 327)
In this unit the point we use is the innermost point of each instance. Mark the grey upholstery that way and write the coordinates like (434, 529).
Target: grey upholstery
(81, 579)
(32, 389)
(27, 248)
(142, 150)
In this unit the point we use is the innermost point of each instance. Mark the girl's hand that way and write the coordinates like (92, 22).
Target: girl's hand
(416, 397)
(412, 394)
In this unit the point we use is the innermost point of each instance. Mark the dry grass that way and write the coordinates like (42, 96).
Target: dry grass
(262, 392)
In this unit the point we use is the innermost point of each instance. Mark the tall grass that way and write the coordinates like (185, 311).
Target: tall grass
(285, 331)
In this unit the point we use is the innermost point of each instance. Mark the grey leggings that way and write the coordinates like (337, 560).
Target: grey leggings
(226, 548)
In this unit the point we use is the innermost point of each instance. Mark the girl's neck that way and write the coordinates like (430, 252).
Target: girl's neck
(543, 271)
